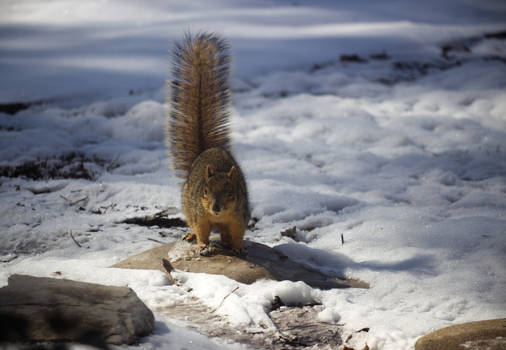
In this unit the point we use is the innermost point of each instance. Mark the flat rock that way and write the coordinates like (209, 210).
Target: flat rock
(47, 309)
(482, 335)
(261, 262)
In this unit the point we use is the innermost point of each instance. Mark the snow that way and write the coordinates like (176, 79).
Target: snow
(329, 315)
(402, 155)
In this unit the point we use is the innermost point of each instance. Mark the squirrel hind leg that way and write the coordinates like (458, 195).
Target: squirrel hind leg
(236, 230)
(225, 237)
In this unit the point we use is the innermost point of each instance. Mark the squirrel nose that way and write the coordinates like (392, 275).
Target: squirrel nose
(216, 208)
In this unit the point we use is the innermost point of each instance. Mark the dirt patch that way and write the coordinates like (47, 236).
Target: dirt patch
(408, 71)
(72, 165)
(352, 58)
(451, 50)
(13, 108)
(155, 220)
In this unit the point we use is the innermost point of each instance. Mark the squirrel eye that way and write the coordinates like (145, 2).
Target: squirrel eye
(205, 191)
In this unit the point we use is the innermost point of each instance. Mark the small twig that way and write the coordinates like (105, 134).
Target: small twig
(342, 238)
(79, 200)
(168, 268)
(76, 242)
(111, 206)
(73, 202)
(103, 209)
(226, 296)
(155, 240)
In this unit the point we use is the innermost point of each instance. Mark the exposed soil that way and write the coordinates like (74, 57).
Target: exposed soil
(73, 165)
(155, 220)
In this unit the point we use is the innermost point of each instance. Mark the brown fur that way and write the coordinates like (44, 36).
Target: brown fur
(215, 196)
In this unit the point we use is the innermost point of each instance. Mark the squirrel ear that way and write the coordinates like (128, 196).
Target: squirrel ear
(232, 171)
(209, 172)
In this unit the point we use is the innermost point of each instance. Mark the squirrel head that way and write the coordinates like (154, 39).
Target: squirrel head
(219, 194)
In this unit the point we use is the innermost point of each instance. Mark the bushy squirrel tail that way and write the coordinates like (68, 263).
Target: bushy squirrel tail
(199, 99)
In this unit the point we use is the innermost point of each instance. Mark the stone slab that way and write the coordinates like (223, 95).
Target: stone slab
(481, 335)
(40, 309)
(261, 262)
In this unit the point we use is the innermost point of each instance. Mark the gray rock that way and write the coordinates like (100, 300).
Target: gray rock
(261, 262)
(482, 335)
(48, 309)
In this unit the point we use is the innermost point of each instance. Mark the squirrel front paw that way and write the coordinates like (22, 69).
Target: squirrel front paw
(190, 237)
(207, 250)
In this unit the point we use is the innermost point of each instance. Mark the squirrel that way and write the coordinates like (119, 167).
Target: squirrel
(214, 194)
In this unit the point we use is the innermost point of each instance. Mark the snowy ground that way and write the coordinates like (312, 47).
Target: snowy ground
(400, 150)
